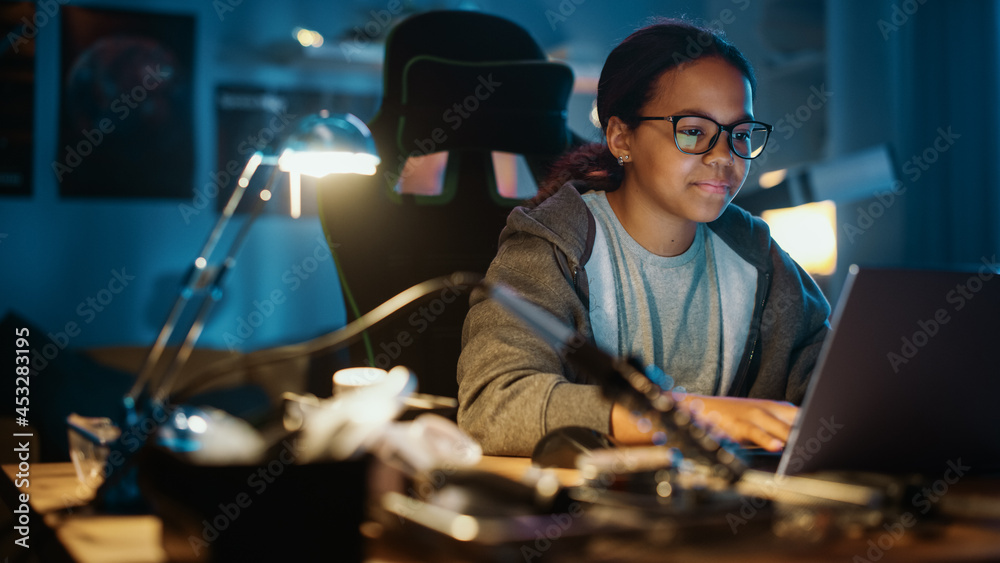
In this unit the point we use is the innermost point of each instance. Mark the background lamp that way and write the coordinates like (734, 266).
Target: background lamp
(852, 177)
(800, 203)
(808, 233)
(343, 139)
(318, 146)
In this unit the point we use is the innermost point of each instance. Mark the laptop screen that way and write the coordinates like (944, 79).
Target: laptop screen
(909, 378)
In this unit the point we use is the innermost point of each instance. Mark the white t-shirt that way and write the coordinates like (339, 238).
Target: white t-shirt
(665, 311)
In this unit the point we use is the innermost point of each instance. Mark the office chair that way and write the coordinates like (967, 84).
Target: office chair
(463, 84)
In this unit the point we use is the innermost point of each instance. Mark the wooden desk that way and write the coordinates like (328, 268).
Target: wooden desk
(60, 531)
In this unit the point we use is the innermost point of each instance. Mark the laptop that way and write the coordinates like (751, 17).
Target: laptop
(908, 380)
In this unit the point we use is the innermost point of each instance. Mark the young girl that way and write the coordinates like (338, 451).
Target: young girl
(641, 250)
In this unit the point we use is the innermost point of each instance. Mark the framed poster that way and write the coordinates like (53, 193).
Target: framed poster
(17, 90)
(126, 105)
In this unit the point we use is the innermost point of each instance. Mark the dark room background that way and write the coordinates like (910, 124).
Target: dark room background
(919, 76)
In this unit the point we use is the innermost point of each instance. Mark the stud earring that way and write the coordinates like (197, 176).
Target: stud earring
(622, 159)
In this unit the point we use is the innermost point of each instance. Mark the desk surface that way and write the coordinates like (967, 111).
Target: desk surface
(56, 496)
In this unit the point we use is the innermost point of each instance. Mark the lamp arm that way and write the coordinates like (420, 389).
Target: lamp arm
(162, 390)
(199, 277)
(346, 334)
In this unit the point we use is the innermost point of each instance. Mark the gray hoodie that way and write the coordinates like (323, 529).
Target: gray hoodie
(514, 387)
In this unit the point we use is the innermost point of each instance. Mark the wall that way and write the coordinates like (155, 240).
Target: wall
(61, 258)
(105, 271)
(58, 253)
(921, 77)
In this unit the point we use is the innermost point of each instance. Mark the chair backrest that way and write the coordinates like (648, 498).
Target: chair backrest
(467, 83)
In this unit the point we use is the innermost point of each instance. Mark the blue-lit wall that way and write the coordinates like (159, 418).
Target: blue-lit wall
(56, 254)
(105, 271)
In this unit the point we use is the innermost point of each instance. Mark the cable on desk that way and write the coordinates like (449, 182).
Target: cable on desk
(345, 335)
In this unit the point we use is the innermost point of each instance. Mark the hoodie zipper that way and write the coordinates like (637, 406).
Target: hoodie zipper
(758, 315)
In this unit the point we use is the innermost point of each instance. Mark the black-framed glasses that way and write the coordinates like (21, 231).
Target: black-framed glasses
(696, 134)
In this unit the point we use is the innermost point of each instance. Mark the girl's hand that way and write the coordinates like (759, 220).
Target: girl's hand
(747, 421)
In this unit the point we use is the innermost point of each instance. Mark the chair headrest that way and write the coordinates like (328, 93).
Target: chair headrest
(455, 35)
(511, 106)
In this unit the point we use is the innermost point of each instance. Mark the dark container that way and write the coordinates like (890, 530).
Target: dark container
(273, 511)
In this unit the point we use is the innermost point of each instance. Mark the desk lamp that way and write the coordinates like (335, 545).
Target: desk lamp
(319, 145)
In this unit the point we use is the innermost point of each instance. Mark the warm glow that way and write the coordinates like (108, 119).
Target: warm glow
(513, 177)
(197, 424)
(464, 528)
(808, 233)
(319, 164)
(308, 37)
(423, 175)
(251, 167)
(773, 178)
(200, 262)
(265, 195)
(595, 119)
(295, 193)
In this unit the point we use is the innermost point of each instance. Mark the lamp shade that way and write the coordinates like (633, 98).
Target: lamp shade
(326, 143)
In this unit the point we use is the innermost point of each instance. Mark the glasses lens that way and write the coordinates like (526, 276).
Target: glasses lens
(695, 134)
(748, 139)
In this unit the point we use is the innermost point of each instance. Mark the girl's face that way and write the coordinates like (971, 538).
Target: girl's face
(693, 188)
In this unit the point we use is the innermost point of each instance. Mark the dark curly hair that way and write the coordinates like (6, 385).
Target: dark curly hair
(628, 82)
